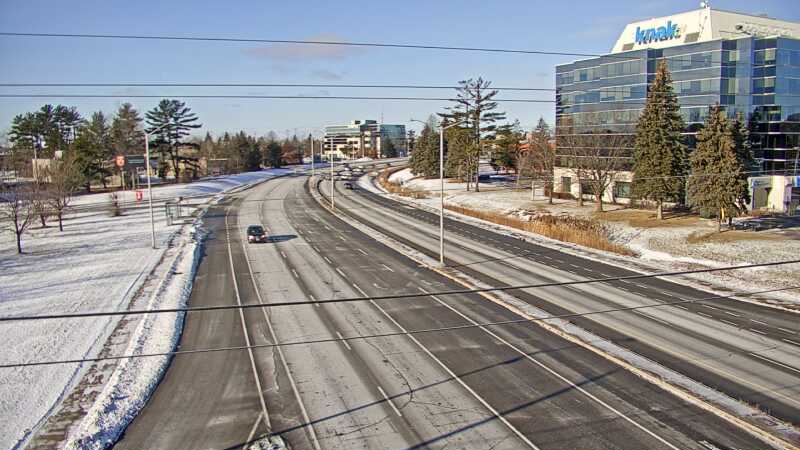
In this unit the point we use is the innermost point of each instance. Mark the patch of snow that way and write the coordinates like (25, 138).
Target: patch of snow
(97, 263)
(401, 176)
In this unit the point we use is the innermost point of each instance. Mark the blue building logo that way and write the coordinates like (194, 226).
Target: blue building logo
(648, 35)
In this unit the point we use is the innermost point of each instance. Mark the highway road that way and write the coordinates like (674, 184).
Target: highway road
(747, 351)
(504, 387)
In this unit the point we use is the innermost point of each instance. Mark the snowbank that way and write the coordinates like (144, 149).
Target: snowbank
(98, 263)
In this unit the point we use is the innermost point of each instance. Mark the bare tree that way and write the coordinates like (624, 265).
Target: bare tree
(541, 157)
(595, 159)
(65, 179)
(17, 210)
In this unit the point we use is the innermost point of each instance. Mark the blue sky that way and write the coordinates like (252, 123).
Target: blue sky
(572, 26)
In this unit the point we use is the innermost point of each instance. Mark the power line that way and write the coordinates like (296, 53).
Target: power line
(387, 297)
(393, 334)
(307, 42)
(262, 97)
(270, 85)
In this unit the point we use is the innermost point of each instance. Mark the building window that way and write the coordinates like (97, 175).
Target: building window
(566, 184)
(622, 189)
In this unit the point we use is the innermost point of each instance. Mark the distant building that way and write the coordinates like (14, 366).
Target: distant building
(363, 138)
(748, 64)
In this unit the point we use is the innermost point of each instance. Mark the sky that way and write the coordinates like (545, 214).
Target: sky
(577, 26)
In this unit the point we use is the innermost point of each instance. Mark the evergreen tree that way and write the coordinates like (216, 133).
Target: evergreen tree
(389, 149)
(459, 145)
(126, 131)
(659, 161)
(425, 159)
(273, 153)
(718, 178)
(506, 147)
(744, 152)
(173, 120)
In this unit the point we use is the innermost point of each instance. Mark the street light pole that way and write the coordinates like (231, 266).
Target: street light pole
(441, 183)
(149, 184)
(333, 186)
(311, 142)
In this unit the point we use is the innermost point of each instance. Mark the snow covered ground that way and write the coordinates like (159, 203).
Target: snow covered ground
(97, 263)
(676, 244)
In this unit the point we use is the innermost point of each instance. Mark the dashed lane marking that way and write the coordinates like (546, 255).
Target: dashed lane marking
(758, 331)
(362, 251)
(327, 260)
(283, 255)
(341, 273)
(387, 268)
(705, 315)
(294, 272)
(787, 331)
(343, 341)
(388, 400)
(758, 322)
(789, 341)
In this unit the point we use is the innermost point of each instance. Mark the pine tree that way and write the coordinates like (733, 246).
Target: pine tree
(718, 176)
(126, 131)
(173, 120)
(744, 152)
(659, 161)
(425, 159)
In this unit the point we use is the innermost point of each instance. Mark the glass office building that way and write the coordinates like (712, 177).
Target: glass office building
(748, 64)
(363, 138)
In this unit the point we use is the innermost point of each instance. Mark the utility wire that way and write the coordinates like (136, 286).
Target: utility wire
(261, 97)
(393, 334)
(313, 42)
(387, 297)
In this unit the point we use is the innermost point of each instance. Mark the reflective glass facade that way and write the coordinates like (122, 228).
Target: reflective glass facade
(758, 77)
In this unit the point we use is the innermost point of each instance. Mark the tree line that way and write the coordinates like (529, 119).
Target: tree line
(712, 179)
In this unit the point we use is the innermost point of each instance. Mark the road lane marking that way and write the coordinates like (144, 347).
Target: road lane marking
(705, 315)
(294, 272)
(578, 388)
(244, 325)
(283, 254)
(341, 273)
(732, 314)
(252, 432)
(309, 427)
(787, 331)
(775, 362)
(681, 307)
(652, 318)
(388, 400)
(342, 238)
(311, 296)
(759, 322)
(344, 341)
(758, 331)
(387, 268)
(790, 341)
(362, 251)
(327, 260)
(452, 374)
(729, 322)
(711, 307)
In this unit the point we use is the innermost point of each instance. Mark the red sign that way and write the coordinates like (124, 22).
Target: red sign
(139, 195)
(120, 161)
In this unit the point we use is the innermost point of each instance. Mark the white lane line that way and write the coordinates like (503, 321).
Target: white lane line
(388, 400)
(790, 341)
(327, 260)
(775, 362)
(342, 238)
(294, 272)
(758, 331)
(681, 307)
(315, 248)
(705, 315)
(652, 318)
(283, 254)
(244, 326)
(313, 300)
(787, 331)
(452, 374)
(341, 273)
(732, 314)
(252, 432)
(309, 427)
(667, 294)
(729, 322)
(527, 356)
(387, 268)
(711, 307)
(327, 227)
(343, 340)
(573, 265)
(362, 251)
(759, 322)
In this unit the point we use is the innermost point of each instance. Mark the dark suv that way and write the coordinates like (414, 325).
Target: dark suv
(256, 233)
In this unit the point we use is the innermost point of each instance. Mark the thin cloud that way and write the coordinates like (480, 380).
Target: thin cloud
(292, 52)
(326, 74)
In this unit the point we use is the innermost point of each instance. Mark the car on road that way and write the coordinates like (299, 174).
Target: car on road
(348, 185)
(256, 233)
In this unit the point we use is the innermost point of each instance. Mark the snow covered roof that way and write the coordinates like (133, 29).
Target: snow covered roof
(701, 25)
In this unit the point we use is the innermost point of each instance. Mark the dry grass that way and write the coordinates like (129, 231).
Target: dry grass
(588, 233)
(647, 219)
(394, 188)
(724, 237)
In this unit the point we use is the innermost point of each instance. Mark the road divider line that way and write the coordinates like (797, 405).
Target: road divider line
(387, 268)
(759, 322)
(551, 371)
(789, 341)
(341, 273)
(787, 331)
(391, 403)
(252, 432)
(758, 331)
(344, 341)
(362, 251)
(452, 374)
(785, 366)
